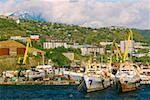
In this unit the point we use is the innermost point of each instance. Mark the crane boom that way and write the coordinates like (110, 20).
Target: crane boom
(130, 37)
(118, 53)
(26, 53)
(27, 49)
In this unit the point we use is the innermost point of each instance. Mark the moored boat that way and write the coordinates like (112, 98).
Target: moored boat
(96, 77)
(145, 74)
(127, 77)
(76, 76)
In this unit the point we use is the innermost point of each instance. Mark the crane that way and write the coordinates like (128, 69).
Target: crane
(118, 53)
(130, 38)
(29, 44)
(125, 54)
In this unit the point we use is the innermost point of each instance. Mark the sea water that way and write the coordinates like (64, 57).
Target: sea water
(42, 92)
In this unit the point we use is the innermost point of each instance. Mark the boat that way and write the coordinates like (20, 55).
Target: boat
(96, 77)
(40, 72)
(145, 74)
(76, 76)
(127, 77)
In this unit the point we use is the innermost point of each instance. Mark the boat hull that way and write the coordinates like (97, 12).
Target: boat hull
(126, 87)
(92, 84)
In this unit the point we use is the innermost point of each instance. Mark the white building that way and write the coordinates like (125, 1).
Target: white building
(34, 37)
(90, 50)
(5, 16)
(130, 46)
(106, 43)
(18, 38)
(52, 45)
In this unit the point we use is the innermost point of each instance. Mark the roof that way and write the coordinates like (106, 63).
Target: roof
(11, 43)
(32, 49)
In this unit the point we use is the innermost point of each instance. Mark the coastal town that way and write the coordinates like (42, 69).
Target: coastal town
(74, 50)
(91, 67)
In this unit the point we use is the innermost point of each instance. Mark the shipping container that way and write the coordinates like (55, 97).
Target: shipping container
(4, 51)
(21, 51)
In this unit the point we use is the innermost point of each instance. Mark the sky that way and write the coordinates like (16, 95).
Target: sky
(93, 13)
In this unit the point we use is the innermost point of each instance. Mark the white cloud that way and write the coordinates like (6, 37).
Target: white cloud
(129, 13)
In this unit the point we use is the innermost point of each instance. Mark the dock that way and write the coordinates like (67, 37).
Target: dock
(50, 82)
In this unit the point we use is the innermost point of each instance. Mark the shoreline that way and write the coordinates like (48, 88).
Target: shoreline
(51, 82)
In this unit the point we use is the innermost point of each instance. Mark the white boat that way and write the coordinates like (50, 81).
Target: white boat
(34, 75)
(40, 72)
(96, 77)
(76, 76)
(127, 77)
(145, 74)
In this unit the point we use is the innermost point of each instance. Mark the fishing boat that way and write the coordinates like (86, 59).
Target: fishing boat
(127, 77)
(145, 74)
(40, 72)
(76, 76)
(96, 77)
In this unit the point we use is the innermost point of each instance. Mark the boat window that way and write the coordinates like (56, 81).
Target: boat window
(97, 66)
(135, 66)
(91, 66)
(145, 68)
(125, 70)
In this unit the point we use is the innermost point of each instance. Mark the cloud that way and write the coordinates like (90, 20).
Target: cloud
(94, 13)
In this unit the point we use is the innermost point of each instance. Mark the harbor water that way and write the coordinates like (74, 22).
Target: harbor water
(42, 92)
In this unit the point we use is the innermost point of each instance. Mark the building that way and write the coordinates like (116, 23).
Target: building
(52, 45)
(16, 19)
(130, 46)
(69, 55)
(87, 50)
(139, 54)
(11, 48)
(36, 52)
(106, 43)
(34, 37)
(19, 38)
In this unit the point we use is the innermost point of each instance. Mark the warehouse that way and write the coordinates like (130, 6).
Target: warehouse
(11, 48)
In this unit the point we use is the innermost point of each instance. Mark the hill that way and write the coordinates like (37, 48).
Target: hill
(63, 32)
(145, 33)
(70, 33)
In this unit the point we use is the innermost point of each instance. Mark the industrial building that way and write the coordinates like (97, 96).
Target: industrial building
(11, 48)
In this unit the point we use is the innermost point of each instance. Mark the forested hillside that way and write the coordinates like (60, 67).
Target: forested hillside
(70, 33)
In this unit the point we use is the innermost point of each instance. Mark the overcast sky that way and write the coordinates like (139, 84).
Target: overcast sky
(95, 13)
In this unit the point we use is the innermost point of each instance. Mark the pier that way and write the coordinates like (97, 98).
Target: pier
(50, 82)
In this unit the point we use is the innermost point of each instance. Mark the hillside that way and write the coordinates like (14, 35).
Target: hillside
(63, 32)
(145, 33)
(70, 33)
